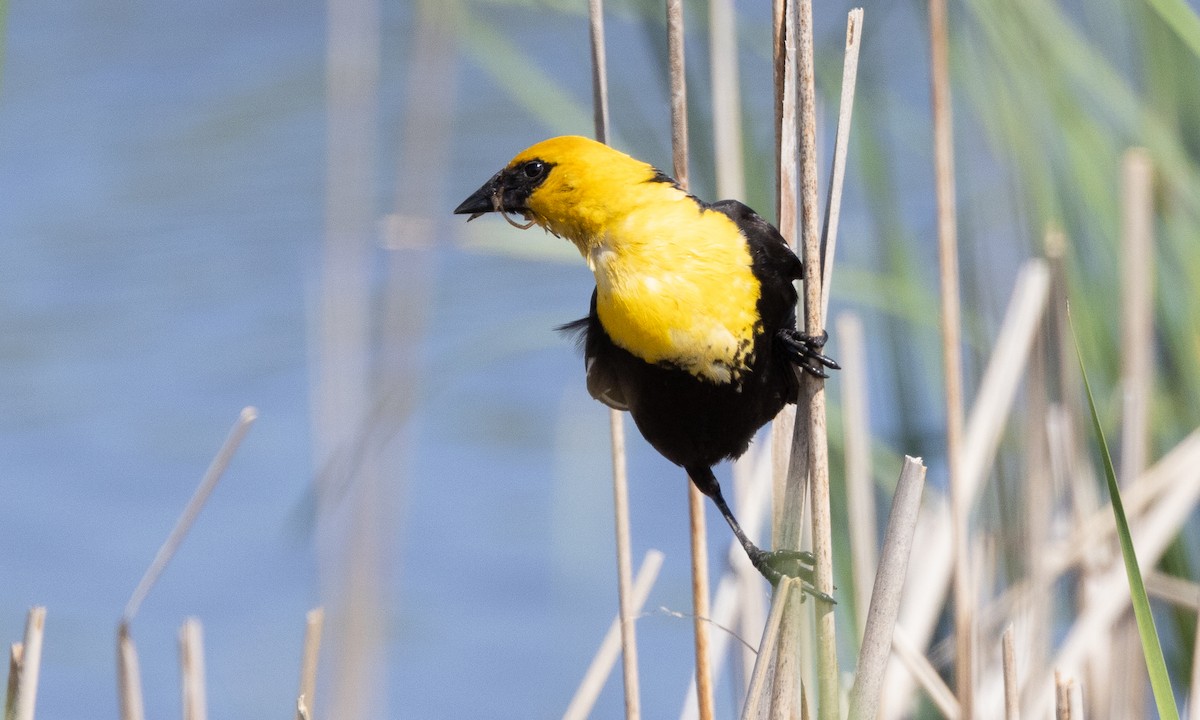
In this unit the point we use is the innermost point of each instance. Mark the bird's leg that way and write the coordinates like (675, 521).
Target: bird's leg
(805, 351)
(773, 565)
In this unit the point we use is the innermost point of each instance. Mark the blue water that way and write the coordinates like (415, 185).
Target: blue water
(161, 218)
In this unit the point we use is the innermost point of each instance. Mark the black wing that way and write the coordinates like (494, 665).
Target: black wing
(602, 381)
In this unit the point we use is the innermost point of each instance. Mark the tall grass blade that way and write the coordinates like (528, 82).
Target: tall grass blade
(1160, 682)
(1182, 20)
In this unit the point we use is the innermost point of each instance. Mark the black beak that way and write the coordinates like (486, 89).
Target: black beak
(481, 201)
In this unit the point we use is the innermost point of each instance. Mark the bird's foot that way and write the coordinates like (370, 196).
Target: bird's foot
(778, 564)
(805, 351)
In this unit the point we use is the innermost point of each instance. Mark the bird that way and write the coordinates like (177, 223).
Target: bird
(692, 324)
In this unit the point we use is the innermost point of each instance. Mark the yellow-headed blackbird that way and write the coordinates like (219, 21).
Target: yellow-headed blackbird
(692, 327)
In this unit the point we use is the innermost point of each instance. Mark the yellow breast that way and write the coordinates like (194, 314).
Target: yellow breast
(674, 284)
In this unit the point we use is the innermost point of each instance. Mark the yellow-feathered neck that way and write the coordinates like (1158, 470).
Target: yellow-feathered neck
(589, 187)
(673, 278)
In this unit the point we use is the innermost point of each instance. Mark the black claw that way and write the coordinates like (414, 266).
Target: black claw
(805, 351)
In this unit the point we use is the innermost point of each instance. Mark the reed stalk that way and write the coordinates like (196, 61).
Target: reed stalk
(191, 670)
(726, 99)
(616, 422)
(885, 598)
(860, 481)
(314, 624)
(191, 511)
(756, 693)
(960, 503)
(699, 544)
(1012, 697)
(129, 676)
(15, 652)
(1137, 363)
(24, 700)
(841, 150)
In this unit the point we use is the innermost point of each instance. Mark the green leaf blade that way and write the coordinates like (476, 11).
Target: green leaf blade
(1156, 664)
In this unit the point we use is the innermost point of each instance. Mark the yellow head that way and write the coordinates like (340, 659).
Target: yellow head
(572, 186)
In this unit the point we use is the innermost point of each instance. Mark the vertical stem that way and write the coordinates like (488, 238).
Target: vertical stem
(629, 658)
(675, 60)
(700, 603)
(314, 623)
(1137, 344)
(191, 670)
(31, 662)
(943, 147)
(788, 495)
(726, 99)
(1012, 698)
(129, 676)
(350, 554)
(15, 654)
(860, 484)
(599, 69)
(885, 598)
(625, 600)
(786, 178)
(679, 147)
(837, 175)
(1137, 310)
(811, 404)
(767, 651)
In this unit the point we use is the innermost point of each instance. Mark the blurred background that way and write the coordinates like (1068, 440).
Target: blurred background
(211, 205)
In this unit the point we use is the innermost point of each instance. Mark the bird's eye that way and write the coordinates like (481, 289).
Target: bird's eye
(534, 169)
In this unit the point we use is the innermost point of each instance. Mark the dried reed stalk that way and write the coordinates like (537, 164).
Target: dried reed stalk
(960, 504)
(841, 147)
(860, 482)
(809, 436)
(786, 159)
(593, 679)
(129, 676)
(207, 484)
(1062, 696)
(756, 700)
(191, 670)
(1012, 697)
(737, 601)
(885, 598)
(616, 423)
(1137, 310)
(1068, 697)
(29, 664)
(314, 624)
(699, 554)
(700, 604)
(1182, 593)
(15, 652)
(599, 69)
(1137, 380)
(726, 99)
(790, 472)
